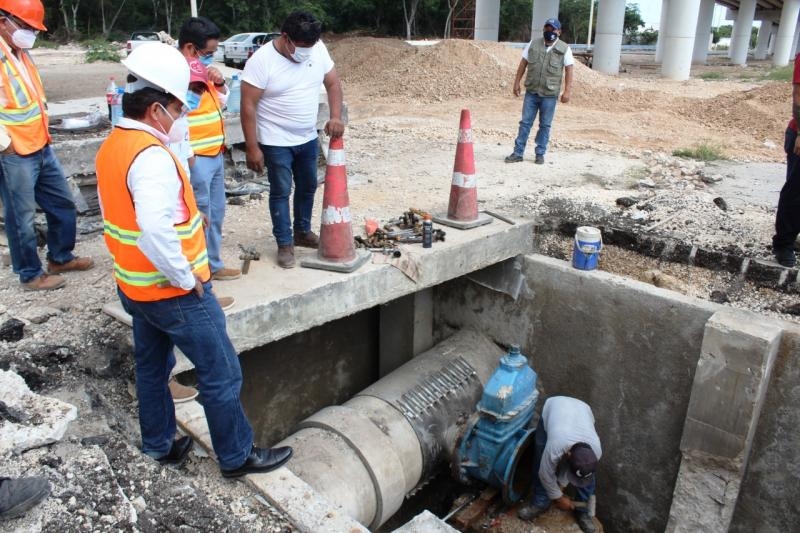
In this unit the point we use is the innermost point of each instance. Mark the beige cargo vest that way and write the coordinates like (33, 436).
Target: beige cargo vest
(545, 69)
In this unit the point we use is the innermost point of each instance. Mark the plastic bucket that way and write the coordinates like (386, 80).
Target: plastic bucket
(586, 250)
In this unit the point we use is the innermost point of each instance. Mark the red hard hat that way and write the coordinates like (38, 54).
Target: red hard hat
(31, 12)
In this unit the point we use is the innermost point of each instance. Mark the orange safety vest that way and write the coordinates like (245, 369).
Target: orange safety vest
(206, 128)
(25, 113)
(134, 273)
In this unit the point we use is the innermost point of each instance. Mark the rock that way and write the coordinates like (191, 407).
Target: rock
(793, 309)
(40, 315)
(769, 144)
(665, 281)
(627, 201)
(721, 203)
(650, 184)
(711, 178)
(640, 215)
(237, 200)
(11, 330)
(47, 418)
(719, 297)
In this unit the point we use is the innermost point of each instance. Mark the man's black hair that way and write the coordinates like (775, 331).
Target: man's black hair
(197, 31)
(302, 27)
(134, 105)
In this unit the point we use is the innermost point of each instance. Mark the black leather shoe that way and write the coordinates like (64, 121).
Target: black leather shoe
(261, 460)
(178, 452)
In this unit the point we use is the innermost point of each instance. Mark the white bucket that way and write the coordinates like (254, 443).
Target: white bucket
(586, 251)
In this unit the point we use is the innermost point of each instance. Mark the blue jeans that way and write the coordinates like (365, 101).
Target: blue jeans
(208, 183)
(533, 104)
(283, 163)
(196, 326)
(787, 218)
(27, 180)
(540, 497)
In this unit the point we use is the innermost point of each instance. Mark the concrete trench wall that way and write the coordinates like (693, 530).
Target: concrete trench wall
(632, 351)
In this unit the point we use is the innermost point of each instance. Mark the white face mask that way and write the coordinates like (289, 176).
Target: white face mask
(179, 129)
(301, 55)
(23, 39)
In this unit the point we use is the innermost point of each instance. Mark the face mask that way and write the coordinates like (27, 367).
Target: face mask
(192, 100)
(23, 39)
(301, 55)
(206, 60)
(550, 36)
(177, 131)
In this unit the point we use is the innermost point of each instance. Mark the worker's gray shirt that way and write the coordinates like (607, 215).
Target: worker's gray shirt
(566, 421)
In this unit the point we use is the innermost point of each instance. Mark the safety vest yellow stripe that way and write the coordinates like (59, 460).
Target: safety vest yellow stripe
(205, 118)
(210, 141)
(20, 122)
(129, 237)
(21, 96)
(145, 279)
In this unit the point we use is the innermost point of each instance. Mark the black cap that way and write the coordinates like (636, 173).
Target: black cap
(582, 465)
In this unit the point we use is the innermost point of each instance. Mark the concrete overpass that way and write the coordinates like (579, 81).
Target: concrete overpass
(684, 32)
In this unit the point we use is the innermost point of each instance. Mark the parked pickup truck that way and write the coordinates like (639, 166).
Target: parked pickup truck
(139, 37)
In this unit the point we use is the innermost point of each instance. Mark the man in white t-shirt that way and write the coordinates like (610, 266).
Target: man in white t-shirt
(546, 59)
(280, 97)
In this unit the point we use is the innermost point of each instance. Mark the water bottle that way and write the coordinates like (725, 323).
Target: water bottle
(235, 96)
(427, 232)
(116, 106)
(111, 91)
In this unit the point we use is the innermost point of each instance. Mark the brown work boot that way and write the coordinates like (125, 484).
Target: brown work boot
(307, 240)
(44, 282)
(225, 302)
(181, 393)
(286, 256)
(226, 274)
(77, 263)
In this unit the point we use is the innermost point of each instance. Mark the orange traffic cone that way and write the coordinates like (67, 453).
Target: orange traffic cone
(462, 212)
(336, 249)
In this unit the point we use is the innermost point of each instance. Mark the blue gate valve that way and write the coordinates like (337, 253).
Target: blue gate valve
(496, 446)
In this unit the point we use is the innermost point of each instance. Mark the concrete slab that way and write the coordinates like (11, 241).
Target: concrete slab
(273, 303)
(308, 511)
(426, 522)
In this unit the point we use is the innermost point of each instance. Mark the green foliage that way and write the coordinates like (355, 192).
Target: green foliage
(715, 35)
(725, 31)
(711, 76)
(780, 73)
(701, 152)
(753, 37)
(100, 50)
(515, 20)
(44, 43)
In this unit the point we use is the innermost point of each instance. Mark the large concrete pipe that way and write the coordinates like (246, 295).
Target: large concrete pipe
(487, 20)
(369, 453)
(679, 38)
(608, 38)
(702, 34)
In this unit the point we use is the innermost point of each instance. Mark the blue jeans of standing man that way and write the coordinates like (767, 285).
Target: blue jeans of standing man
(540, 497)
(27, 180)
(284, 163)
(196, 325)
(545, 106)
(208, 182)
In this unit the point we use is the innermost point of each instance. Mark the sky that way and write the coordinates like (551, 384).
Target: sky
(651, 13)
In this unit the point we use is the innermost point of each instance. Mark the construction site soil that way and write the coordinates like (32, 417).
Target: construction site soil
(614, 139)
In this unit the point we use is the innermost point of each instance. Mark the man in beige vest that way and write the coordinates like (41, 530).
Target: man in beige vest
(547, 59)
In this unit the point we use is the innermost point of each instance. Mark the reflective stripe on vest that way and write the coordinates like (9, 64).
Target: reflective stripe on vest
(23, 114)
(135, 275)
(206, 128)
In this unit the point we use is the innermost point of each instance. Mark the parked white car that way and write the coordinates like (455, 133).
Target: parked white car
(240, 47)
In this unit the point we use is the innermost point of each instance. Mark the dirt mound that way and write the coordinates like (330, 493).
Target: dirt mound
(449, 69)
(762, 112)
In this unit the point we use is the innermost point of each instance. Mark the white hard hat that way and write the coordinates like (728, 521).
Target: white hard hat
(160, 65)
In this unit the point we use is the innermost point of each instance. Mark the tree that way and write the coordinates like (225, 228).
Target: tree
(451, 7)
(725, 31)
(410, 13)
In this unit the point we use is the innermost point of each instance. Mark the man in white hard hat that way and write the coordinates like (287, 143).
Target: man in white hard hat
(30, 173)
(154, 231)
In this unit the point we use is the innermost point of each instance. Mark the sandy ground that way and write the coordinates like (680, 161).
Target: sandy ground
(404, 104)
